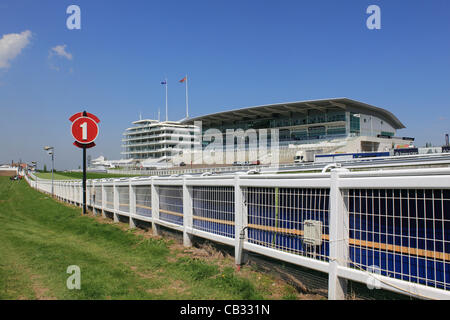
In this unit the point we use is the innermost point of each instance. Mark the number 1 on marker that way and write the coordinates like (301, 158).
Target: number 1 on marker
(84, 127)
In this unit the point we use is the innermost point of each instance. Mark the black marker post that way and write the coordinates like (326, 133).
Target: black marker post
(85, 131)
(84, 172)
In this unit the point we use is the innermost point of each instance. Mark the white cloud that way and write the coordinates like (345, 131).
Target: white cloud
(11, 45)
(61, 51)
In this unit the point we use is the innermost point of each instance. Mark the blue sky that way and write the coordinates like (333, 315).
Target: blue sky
(236, 54)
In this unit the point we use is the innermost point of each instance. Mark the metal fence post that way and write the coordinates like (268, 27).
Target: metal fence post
(72, 193)
(88, 195)
(116, 202)
(339, 235)
(103, 201)
(94, 209)
(132, 207)
(65, 195)
(80, 195)
(155, 208)
(240, 222)
(187, 214)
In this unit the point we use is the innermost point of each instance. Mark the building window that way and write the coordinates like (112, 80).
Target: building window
(354, 124)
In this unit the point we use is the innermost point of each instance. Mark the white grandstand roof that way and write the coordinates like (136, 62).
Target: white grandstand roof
(267, 111)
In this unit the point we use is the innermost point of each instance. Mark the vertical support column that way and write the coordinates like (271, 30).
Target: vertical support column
(94, 209)
(132, 192)
(74, 193)
(103, 201)
(80, 194)
(347, 122)
(240, 223)
(155, 209)
(339, 235)
(116, 202)
(187, 214)
(88, 196)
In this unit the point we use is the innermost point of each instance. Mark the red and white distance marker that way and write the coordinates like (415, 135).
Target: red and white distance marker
(84, 129)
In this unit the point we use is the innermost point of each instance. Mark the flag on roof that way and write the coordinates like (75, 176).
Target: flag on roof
(183, 80)
(164, 82)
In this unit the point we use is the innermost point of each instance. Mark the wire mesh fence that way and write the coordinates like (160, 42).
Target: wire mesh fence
(171, 204)
(98, 196)
(401, 233)
(293, 220)
(124, 198)
(213, 210)
(77, 193)
(143, 200)
(90, 195)
(109, 197)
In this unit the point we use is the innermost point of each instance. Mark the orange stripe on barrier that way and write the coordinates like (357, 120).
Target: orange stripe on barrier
(171, 212)
(230, 223)
(143, 207)
(400, 249)
(366, 244)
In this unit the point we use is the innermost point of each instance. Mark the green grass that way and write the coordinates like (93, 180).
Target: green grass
(78, 175)
(41, 237)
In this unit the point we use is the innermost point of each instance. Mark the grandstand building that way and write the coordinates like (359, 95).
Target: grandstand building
(154, 140)
(328, 125)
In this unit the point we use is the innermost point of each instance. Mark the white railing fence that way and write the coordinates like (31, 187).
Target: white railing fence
(387, 229)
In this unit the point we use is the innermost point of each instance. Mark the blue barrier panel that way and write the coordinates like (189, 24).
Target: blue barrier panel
(171, 204)
(276, 217)
(213, 210)
(403, 233)
(143, 200)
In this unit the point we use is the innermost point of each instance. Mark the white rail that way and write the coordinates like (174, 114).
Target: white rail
(388, 229)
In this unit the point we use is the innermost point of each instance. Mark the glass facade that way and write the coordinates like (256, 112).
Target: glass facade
(310, 117)
(355, 124)
(295, 127)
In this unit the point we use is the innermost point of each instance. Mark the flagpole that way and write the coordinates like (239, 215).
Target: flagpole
(187, 99)
(167, 108)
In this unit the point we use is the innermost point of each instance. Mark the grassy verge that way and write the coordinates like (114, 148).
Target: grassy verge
(40, 238)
